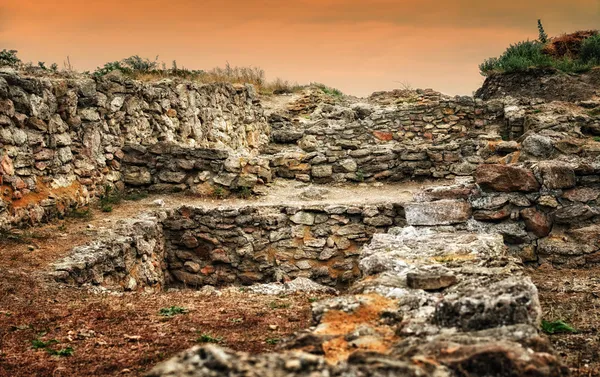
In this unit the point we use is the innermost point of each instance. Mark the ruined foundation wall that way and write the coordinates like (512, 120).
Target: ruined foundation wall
(547, 211)
(62, 140)
(262, 244)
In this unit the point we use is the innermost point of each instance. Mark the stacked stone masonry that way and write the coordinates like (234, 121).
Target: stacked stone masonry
(547, 212)
(194, 246)
(62, 140)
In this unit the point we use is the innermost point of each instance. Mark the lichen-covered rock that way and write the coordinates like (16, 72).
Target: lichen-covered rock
(479, 304)
(556, 175)
(443, 212)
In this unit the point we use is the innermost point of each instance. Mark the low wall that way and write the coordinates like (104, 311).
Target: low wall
(130, 256)
(261, 244)
(193, 246)
(547, 211)
(168, 168)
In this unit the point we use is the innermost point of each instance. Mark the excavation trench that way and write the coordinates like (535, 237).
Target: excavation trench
(196, 245)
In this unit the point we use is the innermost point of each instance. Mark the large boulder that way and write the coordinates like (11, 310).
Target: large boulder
(506, 178)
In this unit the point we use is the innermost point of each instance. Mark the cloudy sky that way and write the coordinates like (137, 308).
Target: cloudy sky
(358, 46)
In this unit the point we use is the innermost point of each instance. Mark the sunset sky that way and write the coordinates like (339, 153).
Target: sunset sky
(356, 46)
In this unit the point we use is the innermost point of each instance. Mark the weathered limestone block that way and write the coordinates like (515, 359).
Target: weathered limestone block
(172, 176)
(480, 304)
(322, 171)
(582, 194)
(506, 178)
(446, 192)
(538, 146)
(137, 176)
(430, 281)
(286, 136)
(443, 212)
(574, 213)
(559, 246)
(556, 175)
(302, 217)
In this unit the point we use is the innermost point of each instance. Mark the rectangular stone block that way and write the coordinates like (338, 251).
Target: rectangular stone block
(442, 212)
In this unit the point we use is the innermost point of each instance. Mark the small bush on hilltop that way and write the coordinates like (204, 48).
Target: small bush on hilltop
(328, 90)
(573, 53)
(139, 64)
(590, 50)
(9, 58)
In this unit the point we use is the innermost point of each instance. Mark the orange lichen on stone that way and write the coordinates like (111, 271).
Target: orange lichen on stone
(492, 145)
(339, 324)
(383, 136)
(42, 192)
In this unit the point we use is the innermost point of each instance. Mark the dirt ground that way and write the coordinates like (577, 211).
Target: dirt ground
(124, 334)
(118, 334)
(573, 296)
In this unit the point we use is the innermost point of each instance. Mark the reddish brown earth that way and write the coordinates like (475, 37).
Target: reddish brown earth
(573, 296)
(112, 334)
(124, 335)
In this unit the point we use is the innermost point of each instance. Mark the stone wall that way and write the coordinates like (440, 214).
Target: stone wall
(262, 244)
(166, 167)
(61, 140)
(547, 212)
(194, 246)
(130, 256)
(428, 135)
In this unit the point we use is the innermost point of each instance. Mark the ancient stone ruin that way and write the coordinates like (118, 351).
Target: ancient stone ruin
(432, 283)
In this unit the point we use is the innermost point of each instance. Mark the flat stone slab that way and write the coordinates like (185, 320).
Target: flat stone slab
(442, 212)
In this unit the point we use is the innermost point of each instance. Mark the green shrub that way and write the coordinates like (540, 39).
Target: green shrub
(517, 58)
(109, 67)
(571, 65)
(61, 352)
(590, 50)
(328, 90)
(208, 338)
(9, 58)
(138, 64)
(81, 213)
(37, 344)
(522, 56)
(108, 198)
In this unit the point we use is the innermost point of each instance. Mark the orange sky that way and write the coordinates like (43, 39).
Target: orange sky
(357, 46)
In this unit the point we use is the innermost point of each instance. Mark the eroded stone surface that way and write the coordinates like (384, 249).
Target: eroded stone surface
(483, 324)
